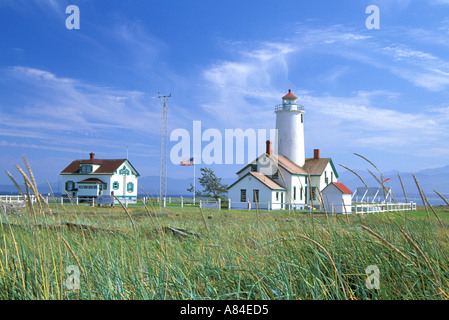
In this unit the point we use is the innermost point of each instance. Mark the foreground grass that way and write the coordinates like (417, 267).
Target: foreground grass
(232, 255)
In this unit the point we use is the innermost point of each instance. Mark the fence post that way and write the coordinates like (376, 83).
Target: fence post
(200, 204)
(164, 202)
(62, 200)
(182, 202)
(268, 206)
(93, 202)
(219, 203)
(77, 201)
(169, 200)
(229, 204)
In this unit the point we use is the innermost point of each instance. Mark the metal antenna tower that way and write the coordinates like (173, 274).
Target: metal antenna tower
(163, 172)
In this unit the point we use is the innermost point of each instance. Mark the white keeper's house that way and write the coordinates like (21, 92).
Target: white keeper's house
(89, 178)
(281, 181)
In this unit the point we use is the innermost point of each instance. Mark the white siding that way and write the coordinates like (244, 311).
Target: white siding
(120, 179)
(333, 200)
(106, 178)
(250, 183)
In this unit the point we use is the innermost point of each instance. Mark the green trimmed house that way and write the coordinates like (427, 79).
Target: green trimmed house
(274, 182)
(90, 178)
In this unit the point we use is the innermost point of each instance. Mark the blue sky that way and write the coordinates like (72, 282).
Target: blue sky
(380, 93)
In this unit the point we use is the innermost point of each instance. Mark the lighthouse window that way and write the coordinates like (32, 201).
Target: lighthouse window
(302, 118)
(254, 168)
(242, 195)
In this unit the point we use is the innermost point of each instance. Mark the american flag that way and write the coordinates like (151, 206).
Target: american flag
(187, 162)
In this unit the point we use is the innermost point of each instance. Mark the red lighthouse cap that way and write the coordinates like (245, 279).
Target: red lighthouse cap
(289, 95)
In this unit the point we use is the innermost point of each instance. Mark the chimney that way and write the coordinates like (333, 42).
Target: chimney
(269, 151)
(92, 155)
(316, 153)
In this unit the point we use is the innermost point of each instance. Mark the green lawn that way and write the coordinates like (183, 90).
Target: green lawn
(221, 254)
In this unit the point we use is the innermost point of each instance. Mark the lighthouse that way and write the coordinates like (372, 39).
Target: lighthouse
(290, 129)
(296, 181)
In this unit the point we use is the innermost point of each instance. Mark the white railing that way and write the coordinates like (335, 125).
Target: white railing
(382, 207)
(15, 198)
(275, 205)
(356, 208)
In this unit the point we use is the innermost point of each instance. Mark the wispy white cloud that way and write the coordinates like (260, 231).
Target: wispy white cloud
(59, 111)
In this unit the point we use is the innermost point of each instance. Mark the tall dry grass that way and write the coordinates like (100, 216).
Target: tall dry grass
(230, 255)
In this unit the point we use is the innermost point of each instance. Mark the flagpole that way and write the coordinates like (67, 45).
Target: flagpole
(194, 191)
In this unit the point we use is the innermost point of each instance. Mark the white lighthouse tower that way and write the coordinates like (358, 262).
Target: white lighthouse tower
(290, 129)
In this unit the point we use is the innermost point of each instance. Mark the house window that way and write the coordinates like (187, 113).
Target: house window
(255, 195)
(313, 193)
(124, 172)
(86, 169)
(69, 185)
(332, 177)
(115, 185)
(294, 193)
(130, 187)
(326, 179)
(254, 168)
(242, 195)
(277, 196)
(300, 193)
(276, 175)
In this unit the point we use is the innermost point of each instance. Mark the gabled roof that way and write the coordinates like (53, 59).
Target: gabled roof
(313, 166)
(317, 166)
(281, 161)
(262, 178)
(107, 166)
(289, 165)
(341, 187)
(266, 181)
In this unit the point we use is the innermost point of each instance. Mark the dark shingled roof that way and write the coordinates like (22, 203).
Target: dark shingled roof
(107, 166)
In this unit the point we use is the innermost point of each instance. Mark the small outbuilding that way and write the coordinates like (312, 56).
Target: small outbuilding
(337, 198)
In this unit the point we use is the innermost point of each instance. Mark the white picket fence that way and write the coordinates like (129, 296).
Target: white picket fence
(16, 198)
(382, 207)
(350, 209)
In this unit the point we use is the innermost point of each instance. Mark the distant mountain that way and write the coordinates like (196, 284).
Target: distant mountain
(174, 186)
(428, 179)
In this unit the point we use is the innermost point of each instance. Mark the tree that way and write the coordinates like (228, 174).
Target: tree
(212, 186)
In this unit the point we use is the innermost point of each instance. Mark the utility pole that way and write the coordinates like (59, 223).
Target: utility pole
(163, 166)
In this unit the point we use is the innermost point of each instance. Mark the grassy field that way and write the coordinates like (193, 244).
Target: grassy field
(221, 254)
